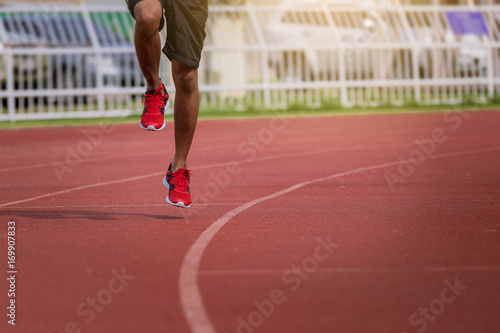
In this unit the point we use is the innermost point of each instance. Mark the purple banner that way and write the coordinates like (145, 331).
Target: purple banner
(467, 23)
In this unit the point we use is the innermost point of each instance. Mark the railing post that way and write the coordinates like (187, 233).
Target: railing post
(98, 52)
(264, 53)
(341, 55)
(11, 102)
(491, 63)
(414, 52)
(9, 72)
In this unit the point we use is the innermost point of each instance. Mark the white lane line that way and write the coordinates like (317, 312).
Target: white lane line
(95, 159)
(121, 206)
(80, 188)
(339, 270)
(26, 167)
(84, 160)
(214, 165)
(87, 160)
(191, 300)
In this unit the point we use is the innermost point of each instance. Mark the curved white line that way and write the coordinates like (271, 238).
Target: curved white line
(190, 295)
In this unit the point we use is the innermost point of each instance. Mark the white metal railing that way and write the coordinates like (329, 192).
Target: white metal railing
(79, 61)
(73, 61)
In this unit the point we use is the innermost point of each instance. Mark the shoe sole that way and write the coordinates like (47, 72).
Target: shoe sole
(151, 128)
(179, 204)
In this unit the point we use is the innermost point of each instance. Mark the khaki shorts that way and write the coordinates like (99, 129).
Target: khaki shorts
(186, 20)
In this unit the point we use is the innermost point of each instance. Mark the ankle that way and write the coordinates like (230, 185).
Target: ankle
(153, 84)
(176, 166)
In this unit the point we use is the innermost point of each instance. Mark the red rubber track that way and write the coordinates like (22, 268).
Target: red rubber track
(396, 248)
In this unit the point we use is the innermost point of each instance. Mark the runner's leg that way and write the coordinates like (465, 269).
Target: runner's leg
(185, 111)
(148, 14)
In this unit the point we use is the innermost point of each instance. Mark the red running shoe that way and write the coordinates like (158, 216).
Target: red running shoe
(177, 184)
(155, 105)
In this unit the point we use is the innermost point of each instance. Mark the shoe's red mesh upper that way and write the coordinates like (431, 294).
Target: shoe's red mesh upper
(178, 183)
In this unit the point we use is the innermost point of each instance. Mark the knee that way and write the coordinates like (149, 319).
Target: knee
(186, 79)
(148, 16)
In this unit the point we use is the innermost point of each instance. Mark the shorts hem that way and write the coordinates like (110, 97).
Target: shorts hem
(185, 61)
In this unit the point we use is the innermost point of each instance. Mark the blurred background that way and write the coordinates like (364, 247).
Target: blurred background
(76, 59)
